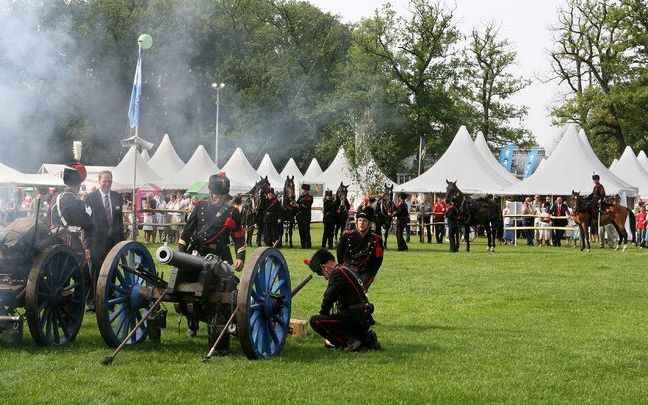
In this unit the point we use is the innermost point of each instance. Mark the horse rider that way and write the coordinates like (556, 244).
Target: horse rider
(210, 226)
(272, 218)
(304, 204)
(598, 193)
(360, 249)
(345, 317)
(329, 216)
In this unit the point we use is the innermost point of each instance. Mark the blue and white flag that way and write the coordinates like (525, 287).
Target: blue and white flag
(530, 163)
(133, 108)
(506, 156)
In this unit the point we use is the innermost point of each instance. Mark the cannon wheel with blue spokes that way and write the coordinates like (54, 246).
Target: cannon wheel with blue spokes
(119, 303)
(263, 304)
(55, 297)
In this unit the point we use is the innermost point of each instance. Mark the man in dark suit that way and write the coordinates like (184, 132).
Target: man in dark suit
(106, 215)
(559, 209)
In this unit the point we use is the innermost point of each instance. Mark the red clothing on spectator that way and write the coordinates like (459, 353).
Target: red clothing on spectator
(641, 220)
(438, 210)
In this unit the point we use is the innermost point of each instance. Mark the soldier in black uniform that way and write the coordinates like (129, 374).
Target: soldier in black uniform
(360, 249)
(304, 204)
(345, 317)
(452, 218)
(329, 214)
(209, 228)
(402, 219)
(69, 217)
(272, 219)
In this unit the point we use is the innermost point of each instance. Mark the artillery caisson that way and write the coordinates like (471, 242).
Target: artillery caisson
(256, 309)
(41, 274)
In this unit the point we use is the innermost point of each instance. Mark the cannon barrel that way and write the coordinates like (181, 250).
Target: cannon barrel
(185, 261)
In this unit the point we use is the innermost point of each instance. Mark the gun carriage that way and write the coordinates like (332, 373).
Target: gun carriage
(256, 309)
(42, 275)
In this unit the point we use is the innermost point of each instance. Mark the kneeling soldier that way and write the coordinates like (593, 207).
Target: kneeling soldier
(348, 327)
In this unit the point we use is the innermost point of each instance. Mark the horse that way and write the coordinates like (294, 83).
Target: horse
(289, 209)
(614, 214)
(252, 209)
(384, 208)
(342, 211)
(478, 211)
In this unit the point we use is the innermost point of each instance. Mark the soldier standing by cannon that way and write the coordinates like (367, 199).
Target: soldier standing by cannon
(360, 249)
(304, 204)
(209, 228)
(348, 327)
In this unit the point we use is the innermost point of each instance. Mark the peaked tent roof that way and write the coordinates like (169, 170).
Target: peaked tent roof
(165, 162)
(482, 147)
(123, 172)
(239, 168)
(291, 169)
(10, 175)
(338, 171)
(198, 168)
(569, 168)
(313, 172)
(461, 162)
(613, 164)
(643, 159)
(146, 155)
(630, 170)
(266, 168)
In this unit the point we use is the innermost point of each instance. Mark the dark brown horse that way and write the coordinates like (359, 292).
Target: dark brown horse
(474, 212)
(252, 210)
(342, 212)
(384, 208)
(289, 209)
(585, 212)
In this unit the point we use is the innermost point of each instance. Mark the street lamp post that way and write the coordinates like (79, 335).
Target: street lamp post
(217, 87)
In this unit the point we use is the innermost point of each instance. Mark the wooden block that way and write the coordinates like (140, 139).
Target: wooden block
(298, 328)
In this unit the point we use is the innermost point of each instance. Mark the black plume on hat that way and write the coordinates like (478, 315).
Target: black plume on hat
(402, 195)
(320, 257)
(366, 212)
(219, 183)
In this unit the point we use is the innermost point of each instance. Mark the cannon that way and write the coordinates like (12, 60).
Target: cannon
(256, 309)
(42, 275)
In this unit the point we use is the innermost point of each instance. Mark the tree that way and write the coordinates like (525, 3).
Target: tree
(490, 84)
(595, 57)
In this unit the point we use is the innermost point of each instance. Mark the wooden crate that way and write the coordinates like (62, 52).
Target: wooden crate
(298, 328)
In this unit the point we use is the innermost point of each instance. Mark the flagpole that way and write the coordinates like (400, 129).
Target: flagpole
(134, 225)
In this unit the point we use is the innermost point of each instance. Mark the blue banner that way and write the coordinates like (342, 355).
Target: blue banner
(133, 108)
(530, 163)
(506, 157)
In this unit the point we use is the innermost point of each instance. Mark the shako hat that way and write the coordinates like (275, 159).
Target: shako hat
(74, 173)
(366, 212)
(596, 177)
(219, 183)
(305, 186)
(320, 257)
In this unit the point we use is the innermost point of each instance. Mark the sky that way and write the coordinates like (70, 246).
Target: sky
(524, 22)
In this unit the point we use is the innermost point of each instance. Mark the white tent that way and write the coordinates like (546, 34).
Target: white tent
(313, 172)
(570, 168)
(145, 155)
(643, 159)
(165, 162)
(266, 168)
(613, 164)
(291, 169)
(239, 168)
(630, 170)
(12, 176)
(339, 171)
(123, 172)
(198, 168)
(482, 147)
(461, 162)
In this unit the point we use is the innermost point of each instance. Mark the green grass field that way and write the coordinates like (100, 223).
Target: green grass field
(524, 324)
